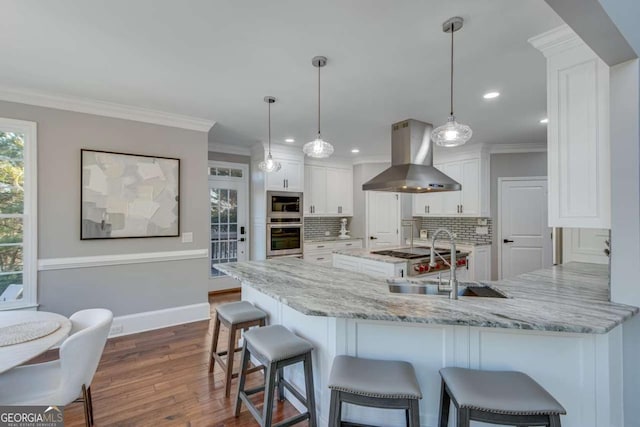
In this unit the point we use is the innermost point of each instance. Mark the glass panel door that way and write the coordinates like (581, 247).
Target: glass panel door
(229, 214)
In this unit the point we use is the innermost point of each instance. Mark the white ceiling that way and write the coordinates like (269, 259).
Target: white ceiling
(388, 60)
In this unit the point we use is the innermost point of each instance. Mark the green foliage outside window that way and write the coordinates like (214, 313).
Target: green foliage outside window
(11, 202)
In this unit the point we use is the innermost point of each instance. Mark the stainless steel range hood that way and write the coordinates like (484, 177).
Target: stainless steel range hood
(411, 168)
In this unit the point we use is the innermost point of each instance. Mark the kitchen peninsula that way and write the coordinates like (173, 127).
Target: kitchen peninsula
(556, 325)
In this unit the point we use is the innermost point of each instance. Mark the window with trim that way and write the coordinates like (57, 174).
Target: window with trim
(18, 209)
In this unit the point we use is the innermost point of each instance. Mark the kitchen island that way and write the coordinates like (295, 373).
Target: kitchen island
(557, 326)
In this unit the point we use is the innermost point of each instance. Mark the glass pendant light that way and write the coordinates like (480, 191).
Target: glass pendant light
(452, 133)
(268, 164)
(318, 148)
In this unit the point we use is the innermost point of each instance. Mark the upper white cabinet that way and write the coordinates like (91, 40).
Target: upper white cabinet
(328, 191)
(288, 178)
(471, 170)
(579, 167)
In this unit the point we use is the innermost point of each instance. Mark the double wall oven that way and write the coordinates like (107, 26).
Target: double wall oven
(284, 224)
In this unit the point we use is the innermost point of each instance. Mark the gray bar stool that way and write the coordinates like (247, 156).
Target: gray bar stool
(236, 316)
(374, 383)
(276, 347)
(497, 397)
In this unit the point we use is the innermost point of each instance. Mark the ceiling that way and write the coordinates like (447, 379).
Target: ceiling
(388, 60)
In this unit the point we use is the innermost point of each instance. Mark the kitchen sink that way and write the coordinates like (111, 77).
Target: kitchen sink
(428, 287)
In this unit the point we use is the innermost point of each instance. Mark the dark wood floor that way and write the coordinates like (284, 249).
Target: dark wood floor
(161, 378)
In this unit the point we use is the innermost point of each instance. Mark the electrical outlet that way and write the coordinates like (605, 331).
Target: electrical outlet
(116, 329)
(327, 233)
(482, 221)
(187, 237)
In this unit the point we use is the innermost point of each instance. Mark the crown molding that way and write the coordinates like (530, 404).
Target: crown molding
(103, 108)
(556, 40)
(240, 150)
(533, 147)
(372, 159)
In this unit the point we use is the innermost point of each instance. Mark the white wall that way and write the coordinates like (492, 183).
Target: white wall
(510, 165)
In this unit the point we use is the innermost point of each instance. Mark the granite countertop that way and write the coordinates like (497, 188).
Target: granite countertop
(330, 239)
(567, 298)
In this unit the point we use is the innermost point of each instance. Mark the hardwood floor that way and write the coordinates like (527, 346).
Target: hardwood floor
(160, 378)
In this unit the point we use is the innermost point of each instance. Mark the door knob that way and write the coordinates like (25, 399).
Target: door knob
(373, 238)
(507, 241)
(241, 239)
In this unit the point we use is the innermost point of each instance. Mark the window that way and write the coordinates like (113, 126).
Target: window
(18, 210)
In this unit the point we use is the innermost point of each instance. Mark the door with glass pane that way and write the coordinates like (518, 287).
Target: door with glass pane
(229, 214)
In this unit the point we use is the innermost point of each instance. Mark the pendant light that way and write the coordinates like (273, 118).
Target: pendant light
(268, 164)
(451, 134)
(318, 148)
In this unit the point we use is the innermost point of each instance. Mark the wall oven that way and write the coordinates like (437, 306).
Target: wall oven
(284, 204)
(284, 236)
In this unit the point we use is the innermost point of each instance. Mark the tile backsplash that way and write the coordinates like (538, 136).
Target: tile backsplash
(315, 227)
(464, 228)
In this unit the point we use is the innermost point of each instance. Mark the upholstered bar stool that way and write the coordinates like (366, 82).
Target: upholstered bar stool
(276, 347)
(373, 383)
(236, 316)
(497, 397)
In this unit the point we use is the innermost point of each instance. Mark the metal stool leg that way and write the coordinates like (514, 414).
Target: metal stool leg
(308, 383)
(554, 420)
(463, 417)
(413, 419)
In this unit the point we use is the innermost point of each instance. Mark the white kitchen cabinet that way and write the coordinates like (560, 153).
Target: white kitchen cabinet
(328, 191)
(370, 267)
(479, 265)
(315, 189)
(288, 178)
(472, 201)
(578, 143)
(322, 252)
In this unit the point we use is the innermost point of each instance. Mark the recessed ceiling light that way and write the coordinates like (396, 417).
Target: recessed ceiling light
(289, 140)
(355, 150)
(545, 120)
(491, 95)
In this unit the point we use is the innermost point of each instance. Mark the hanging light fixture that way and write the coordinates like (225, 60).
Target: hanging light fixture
(451, 134)
(268, 164)
(318, 148)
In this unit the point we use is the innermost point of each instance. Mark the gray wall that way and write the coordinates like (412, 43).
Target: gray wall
(124, 289)
(510, 165)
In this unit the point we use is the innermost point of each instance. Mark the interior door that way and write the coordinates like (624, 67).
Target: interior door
(383, 219)
(525, 236)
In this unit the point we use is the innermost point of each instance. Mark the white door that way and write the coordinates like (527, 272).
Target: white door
(229, 225)
(383, 219)
(525, 242)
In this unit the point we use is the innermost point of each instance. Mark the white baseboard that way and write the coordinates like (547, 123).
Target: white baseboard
(46, 264)
(150, 320)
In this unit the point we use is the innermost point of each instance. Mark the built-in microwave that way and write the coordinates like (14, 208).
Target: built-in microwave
(284, 236)
(284, 204)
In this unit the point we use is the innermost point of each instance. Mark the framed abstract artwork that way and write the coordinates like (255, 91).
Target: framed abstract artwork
(129, 195)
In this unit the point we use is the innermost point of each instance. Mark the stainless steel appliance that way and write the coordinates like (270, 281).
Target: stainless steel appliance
(412, 169)
(284, 204)
(419, 260)
(284, 236)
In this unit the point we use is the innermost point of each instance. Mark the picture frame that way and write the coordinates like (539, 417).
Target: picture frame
(126, 195)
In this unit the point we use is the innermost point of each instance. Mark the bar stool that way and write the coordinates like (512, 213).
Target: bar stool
(497, 397)
(235, 316)
(276, 347)
(374, 383)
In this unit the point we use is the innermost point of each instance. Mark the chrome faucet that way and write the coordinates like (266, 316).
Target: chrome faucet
(453, 280)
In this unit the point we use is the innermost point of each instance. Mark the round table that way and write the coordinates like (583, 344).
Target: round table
(17, 354)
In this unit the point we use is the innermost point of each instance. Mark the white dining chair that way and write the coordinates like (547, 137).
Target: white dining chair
(61, 381)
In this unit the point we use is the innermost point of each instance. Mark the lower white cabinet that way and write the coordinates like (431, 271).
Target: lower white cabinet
(321, 252)
(480, 263)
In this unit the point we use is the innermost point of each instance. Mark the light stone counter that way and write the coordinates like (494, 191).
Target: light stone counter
(567, 298)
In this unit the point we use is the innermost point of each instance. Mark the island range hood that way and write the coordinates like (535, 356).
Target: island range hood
(411, 168)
